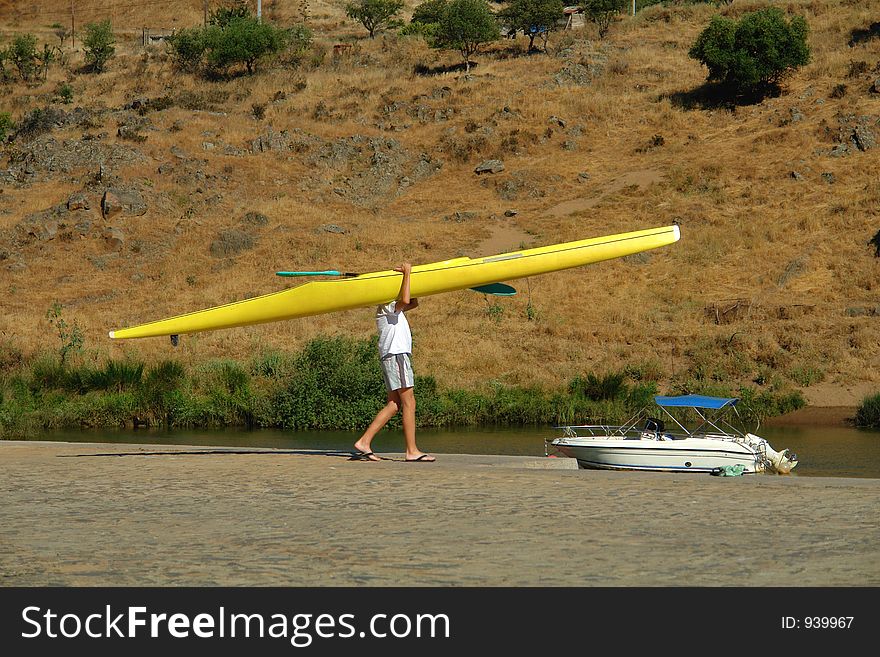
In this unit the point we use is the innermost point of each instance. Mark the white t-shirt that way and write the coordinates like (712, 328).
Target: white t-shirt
(394, 333)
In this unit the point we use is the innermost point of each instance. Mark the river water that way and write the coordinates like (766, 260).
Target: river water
(823, 451)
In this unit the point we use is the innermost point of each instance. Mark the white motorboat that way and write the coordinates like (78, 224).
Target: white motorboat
(643, 443)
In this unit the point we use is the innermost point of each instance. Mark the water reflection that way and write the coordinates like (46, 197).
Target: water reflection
(823, 451)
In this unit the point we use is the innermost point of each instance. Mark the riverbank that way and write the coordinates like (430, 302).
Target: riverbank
(827, 405)
(133, 515)
(332, 383)
(818, 416)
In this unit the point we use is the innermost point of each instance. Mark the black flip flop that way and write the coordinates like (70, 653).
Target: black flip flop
(424, 458)
(364, 456)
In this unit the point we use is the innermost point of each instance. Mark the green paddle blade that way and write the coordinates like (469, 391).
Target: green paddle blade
(328, 272)
(497, 289)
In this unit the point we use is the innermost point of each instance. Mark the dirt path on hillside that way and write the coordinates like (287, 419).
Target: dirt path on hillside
(642, 179)
(504, 236)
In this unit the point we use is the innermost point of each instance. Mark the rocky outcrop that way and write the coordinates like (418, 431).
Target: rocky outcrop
(111, 206)
(114, 237)
(78, 201)
(489, 166)
(854, 133)
(45, 158)
(370, 170)
(118, 200)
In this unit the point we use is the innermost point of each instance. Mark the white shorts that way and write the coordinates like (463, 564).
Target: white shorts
(398, 372)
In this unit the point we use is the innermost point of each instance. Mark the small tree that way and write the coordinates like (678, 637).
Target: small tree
(45, 59)
(187, 47)
(429, 12)
(374, 14)
(243, 41)
(536, 18)
(23, 55)
(425, 20)
(65, 93)
(6, 126)
(752, 55)
(465, 26)
(62, 33)
(71, 337)
(98, 44)
(602, 12)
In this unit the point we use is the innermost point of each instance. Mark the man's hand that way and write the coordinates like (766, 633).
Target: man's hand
(403, 301)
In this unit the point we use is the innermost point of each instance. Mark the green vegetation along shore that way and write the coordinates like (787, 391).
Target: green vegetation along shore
(332, 383)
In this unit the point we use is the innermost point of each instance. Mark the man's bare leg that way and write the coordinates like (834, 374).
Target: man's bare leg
(388, 411)
(408, 407)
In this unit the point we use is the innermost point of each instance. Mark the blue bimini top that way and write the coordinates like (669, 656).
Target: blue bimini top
(695, 401)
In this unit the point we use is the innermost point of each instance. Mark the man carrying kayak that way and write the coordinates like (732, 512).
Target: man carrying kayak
(395, 354)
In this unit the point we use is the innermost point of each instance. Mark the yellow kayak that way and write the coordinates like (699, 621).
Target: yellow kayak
(320, 297)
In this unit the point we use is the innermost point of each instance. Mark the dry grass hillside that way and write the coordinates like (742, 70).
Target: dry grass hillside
(360, 162)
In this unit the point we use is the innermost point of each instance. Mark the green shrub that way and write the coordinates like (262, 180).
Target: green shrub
(222, 395)
(425, 21)
(22, 53)
(272, 365)
(757, 405)
(225, 375)
(427, 31)
(806, 375)
(242, 41)
(429, 12)
(38, 122)
(120, 375)
(868, 412)
(70, 335)
(223, 16)
(160, 390)
(607, 387)
(47, 373)
(752, 55)
(65, 93)
(187, 48)
(299, 38)
(7, 125)
(336, 383)
(641, 395)
(45, 58)
(98, 44)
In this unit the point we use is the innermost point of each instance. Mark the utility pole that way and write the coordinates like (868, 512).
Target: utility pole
(205, 5)
(72, 27)
(634, 7)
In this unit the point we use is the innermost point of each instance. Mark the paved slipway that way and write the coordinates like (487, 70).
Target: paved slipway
(135, 515)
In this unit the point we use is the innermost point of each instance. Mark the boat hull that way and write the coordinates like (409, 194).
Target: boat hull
(687, 455)
(381, 287)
